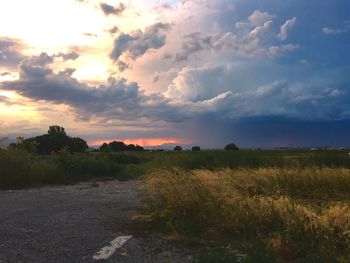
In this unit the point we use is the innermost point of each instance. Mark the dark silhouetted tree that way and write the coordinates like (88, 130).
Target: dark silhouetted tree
(135, 148)
(120, 147)
(56, 130)
(117, 146)
(178, 148)
(54, 141)
(196, 148)
(231, 147)
(104, 148)
(77, 145)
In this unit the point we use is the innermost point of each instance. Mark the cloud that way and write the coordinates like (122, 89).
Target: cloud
(337, 31)
(71, 55)
(221, 89)
(114, 30)
(4, 74)
(121, 65)
(193, 43)
(253, 38)
(197, 84)
(137, 43)
(118, 99)
(10, 52)
(111, 10)
(288, 25)
(194, 91)
(333, 31)
(209, 130)
(258, 18)
(280, 51)
(88, 34)
(3, 99)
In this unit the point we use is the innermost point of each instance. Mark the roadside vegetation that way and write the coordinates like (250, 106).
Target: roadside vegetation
(22, 168)
(256, 215)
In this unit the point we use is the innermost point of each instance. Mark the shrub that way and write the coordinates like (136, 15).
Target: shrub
(178, 148)
(231, 147)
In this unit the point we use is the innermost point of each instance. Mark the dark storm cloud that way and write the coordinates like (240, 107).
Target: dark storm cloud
(137, 43)
(117, 99)
(193, 43)
(10, 52)
(213, 131)
(111, 10)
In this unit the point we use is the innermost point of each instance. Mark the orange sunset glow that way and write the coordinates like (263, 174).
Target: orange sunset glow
(145, 142)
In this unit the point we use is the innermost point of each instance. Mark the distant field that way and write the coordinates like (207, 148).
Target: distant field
(21, 169)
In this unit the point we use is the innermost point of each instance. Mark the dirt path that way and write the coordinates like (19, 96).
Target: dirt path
(73, 223)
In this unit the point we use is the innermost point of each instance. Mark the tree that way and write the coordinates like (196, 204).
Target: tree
(56, 130)
(55, 140)
(178, 148)
(135, 148)
(196, 148)
(117, 146)
(77, 145)
(231, 147)
(104, 147)
(120, 147)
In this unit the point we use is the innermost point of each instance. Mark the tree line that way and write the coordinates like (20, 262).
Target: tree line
(56, 140)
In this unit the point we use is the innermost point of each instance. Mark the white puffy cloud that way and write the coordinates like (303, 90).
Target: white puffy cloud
(220, 89)
(258, 18)
(288, 25)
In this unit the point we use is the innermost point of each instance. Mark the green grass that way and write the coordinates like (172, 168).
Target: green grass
(21, 169)
(250, 159)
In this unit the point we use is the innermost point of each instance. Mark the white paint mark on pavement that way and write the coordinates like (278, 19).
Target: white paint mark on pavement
(108, 251)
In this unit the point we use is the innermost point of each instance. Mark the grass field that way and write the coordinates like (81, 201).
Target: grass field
(22, 169)
(267, 206)
(266, 214)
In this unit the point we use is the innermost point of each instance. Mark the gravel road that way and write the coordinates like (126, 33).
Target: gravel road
(72, 223)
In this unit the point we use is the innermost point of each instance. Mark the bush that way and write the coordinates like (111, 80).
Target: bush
(22, 169)
(178, 148)
(231, 147)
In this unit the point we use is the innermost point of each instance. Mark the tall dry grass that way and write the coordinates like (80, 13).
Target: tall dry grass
(300, 215)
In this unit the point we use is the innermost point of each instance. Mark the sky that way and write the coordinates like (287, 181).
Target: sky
(259, 73)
